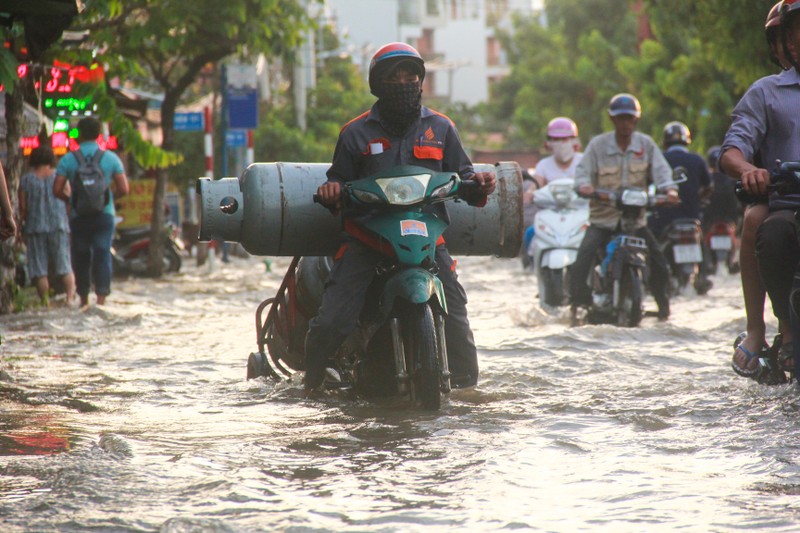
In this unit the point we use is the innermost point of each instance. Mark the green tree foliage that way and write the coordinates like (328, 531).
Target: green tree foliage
(166, 43)
(701, 59)
(340, 95)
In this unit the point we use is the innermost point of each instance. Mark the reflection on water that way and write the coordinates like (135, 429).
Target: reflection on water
(137, 417)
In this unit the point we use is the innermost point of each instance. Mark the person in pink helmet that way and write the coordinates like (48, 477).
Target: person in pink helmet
(564, 145)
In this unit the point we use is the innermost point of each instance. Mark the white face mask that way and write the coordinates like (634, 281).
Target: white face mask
(564, 150)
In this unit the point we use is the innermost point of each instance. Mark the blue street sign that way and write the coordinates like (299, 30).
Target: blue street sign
(235, 138)
(188, 121)
(242, 108)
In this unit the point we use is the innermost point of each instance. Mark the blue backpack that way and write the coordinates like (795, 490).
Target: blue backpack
(90, 195)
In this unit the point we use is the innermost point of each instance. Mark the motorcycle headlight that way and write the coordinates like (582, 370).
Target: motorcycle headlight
(634, 198)
(367, 197)
(562, 194)
(443, 190)
(405, 190)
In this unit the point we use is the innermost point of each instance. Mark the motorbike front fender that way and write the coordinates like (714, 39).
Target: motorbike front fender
(414, 285)
(558, 258)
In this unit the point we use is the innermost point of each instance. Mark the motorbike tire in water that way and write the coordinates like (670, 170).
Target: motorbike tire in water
(629, 312)
(421, 355)
(553, 286)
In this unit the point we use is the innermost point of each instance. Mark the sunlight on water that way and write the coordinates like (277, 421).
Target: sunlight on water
(137, 416)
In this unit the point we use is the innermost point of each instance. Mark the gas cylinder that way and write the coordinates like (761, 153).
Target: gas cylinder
(269, 209)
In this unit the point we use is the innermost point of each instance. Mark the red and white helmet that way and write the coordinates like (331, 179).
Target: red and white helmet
(389, 56)
(561, 128)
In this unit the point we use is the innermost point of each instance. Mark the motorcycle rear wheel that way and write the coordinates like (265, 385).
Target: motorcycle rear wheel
(421, 355)
(553, 286)
(629, 312)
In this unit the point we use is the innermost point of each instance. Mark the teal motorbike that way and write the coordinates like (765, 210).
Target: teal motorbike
(399, 347)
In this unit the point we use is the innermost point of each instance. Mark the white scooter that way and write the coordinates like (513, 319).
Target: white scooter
(560, 224)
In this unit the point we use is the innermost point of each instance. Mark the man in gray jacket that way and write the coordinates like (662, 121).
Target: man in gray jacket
(623, 157)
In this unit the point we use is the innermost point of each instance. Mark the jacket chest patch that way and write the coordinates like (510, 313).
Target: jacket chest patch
(428, 147)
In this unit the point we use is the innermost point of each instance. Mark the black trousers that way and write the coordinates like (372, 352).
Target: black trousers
(343, 300)
(778, 255)
(596, 238)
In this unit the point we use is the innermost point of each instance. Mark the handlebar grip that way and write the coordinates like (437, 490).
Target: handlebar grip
(316, 198)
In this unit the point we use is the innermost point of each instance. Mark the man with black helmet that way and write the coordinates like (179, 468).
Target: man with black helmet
(397, 130)
(765, 129)
(696, 188)
(623, 157)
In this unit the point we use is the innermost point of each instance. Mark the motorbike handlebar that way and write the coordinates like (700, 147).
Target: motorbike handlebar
(785, 179)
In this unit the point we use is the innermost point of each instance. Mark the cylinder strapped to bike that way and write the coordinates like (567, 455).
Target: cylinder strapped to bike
(282, 331)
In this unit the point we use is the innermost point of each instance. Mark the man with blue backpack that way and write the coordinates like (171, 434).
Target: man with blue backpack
(89, 179)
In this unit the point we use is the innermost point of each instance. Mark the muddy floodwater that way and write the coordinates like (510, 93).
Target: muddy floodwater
(137, 417)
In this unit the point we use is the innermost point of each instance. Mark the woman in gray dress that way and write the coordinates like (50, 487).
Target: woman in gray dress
(45, 226)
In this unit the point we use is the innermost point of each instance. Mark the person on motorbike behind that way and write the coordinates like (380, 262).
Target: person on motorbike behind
(397, 130)
(623, 157)
(723, 206)
(693, 191)
(564, 145)
(763, 129)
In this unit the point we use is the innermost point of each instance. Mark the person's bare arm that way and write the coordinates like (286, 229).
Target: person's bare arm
(61, 188)
(120, 186)
(754, 180)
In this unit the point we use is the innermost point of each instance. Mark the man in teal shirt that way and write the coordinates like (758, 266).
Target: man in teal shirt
(91, 234)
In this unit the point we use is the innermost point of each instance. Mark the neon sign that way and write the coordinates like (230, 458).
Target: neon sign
(63, 142)
(60, 78)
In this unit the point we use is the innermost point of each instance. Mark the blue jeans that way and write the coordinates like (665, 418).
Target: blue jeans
(91, 253)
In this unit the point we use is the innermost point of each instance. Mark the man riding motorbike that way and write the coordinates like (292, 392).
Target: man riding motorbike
(696, 188)
(620, 158)
(397, 130)
(764, 130)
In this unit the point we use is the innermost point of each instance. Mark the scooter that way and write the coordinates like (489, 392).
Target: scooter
(722, 243)
(131, 247)
(618, 276)
(559, 226)
(681, 243)
(399, 348)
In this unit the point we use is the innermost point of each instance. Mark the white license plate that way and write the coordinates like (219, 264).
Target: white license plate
(721, 242)
(687, 253)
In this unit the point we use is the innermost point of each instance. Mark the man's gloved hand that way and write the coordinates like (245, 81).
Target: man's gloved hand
(487, 181)
(330, 195)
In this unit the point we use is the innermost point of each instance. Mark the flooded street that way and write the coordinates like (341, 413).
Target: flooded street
(137, 417)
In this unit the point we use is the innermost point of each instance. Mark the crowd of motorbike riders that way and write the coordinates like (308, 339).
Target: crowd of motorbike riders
(734, 209)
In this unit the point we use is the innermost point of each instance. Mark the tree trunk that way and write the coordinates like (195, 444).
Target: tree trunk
(13, 170)
(157, 237)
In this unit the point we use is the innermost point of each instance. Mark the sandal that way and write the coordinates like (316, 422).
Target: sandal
(747, 372)
(786, 357)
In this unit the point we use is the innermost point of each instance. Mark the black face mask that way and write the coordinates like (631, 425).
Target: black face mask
(399, 104)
